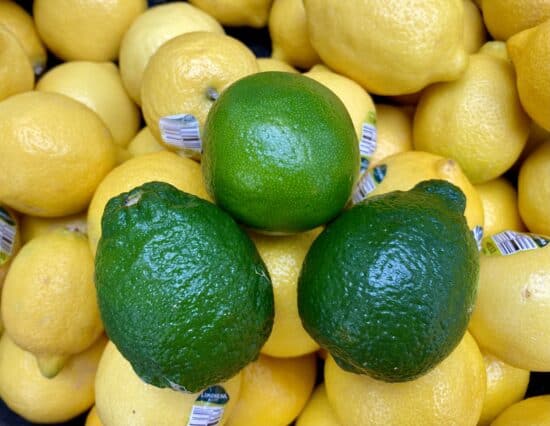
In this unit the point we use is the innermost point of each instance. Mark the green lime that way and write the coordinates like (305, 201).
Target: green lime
(389, 286)
(280, 152)
(183, 293)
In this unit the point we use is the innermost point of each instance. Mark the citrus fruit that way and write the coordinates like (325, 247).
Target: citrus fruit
(394, 131)
(272, 64)
(534, 411)
(474, 29)
(280, 152)
(251, 13)
(318, 411)
(92, 419)
(16, 73)
(121, 395)
(193, 288)
(33, 226)
(388, 287)
(405, 46)
(144, 143)
(495, 48)
(54, 153)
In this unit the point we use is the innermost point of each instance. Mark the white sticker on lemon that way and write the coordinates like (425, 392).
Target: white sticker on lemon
(181, 131)
(7, 235)
(367, 143)
(368, 182)
(511, 242)
(209, 407)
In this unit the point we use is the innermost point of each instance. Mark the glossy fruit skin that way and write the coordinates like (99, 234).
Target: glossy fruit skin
(389, 286)
(280, 152)
(183, 293)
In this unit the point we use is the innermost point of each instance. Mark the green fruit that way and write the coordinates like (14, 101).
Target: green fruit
(389, 286)
(280, 152)
(182, 291)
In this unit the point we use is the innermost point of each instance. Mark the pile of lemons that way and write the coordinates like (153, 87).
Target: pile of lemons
(461, 93)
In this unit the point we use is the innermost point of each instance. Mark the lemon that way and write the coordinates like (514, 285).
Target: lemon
(533, 411)
(530, 53)
(49, 305)
(488, 129)
(500, 206)
(187, 74)
(451, 394)
(33, 226)
(274, 391)
(283, 257)
(21, 25)
(149, 31)
(42, 400)
(16, 73)
(252, 13)
(406, 169)
(394, 131)
(474, 29)
(92, 419)
(504, 18)
(495, 48)
(393, 47)
(121, 396)
(356, 99)
(10, 233)
(272, 64)
(54, 153)
(511, 316)
(144, 143)
(506, 385)
(289, 36)
(86, 30)
(164, 166)
(534, 190)
(99, 87)
(318, 412)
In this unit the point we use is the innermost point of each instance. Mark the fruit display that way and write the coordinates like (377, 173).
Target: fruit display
(275, 212)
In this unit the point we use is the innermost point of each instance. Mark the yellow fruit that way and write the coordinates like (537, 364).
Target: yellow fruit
(474, 29)
(318, 412)
(149, 31)
(21, 25)
(187, 74)
(274, 391)
(99, 87)
(251, 13)
(54, 153)
(144, 143)
(451, 394)
(393, 47)
(488, 129)
(183, 173)
(533, 411)
(500, 206)
(530, 53)
(42, 400)
(506, 385)
(504, 18)
(394, 128)
(85, 30)
(123, 398)
(33, 226)
(49, 305)
(289, 36)
(16, 73)
(92, 419)
(406, 169)
(283, 256)
(534, 190)
(272, 64)
(495, 48)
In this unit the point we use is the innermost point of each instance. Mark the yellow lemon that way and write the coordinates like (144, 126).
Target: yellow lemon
(85, 30)
(144, 143)
(21, 25)
(251, 13)
(283, 256)
(272, 64)
(274, 391)
(451, 394)
(500, 206)
(506, 385)
(123, 398)
(16, 73)
(530, 53)
(488, 129)
(49, 305)
(474, 29)
(533, 411)
(187, 74)
(33, 226)
(495, 48)
(92, 419)
(393, 47)
(289, 36)
(99, 87)
(149, 31)
(54, 153)
(183, 173)
(42, 400)
(318, 411)
(534, 190)
(10, 239)
(394, 131)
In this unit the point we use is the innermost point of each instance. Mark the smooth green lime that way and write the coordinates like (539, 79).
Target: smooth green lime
(183, 293)
(280, 152)
(389, 286)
